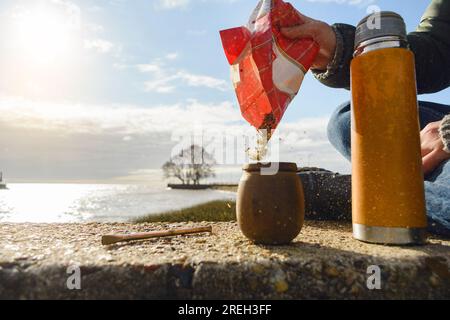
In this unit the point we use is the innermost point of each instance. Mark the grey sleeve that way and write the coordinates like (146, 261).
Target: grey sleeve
(337, 74)
(431, 46)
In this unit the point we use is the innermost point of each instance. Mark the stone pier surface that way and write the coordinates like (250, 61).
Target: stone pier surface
(323, 263)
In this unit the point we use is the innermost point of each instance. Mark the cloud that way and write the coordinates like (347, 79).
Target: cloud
(48, 141)
(172, 56)
(99, 45)
(167, 84)
(360, 3)
(165, 79)
(160, 85)
(194, 80)
(95, 8)
(151, 68)
(172, 4)
(119, 66)
(122, 119)
(183, 4)
(58, 141)
(94, 28)
(72, 12)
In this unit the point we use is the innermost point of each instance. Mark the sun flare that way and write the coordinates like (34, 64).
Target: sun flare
(43, 35)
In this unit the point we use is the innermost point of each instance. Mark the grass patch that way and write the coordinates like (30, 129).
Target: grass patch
(229, 188)
(216, 211)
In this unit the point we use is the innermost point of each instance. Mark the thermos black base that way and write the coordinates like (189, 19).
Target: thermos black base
(390, 236)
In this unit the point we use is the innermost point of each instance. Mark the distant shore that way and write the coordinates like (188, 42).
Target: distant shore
(221, 187)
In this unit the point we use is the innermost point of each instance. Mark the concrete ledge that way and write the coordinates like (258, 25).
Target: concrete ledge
(323, 263)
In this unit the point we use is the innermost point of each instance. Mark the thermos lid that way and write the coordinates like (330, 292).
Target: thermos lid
(380, 24)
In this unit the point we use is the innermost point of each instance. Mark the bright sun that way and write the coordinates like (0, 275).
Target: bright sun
(43, 35)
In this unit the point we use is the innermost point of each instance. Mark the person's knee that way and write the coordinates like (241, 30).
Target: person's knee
(437, 192)
(339, 129)
(431, 112)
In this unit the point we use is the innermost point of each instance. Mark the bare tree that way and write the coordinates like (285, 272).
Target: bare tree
(191, 165)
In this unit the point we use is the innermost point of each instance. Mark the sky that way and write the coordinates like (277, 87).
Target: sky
(104, 91)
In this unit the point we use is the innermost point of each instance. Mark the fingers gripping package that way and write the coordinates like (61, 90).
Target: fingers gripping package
(268, 68)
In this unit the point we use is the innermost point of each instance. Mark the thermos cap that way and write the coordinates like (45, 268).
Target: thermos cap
(380, 24)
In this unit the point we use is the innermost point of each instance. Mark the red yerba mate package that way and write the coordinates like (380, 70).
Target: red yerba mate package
(267, 68)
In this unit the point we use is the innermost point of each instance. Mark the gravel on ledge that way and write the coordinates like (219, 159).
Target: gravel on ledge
(324, 262)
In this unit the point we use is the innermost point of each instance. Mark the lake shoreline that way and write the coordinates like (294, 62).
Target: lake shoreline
(75, 203)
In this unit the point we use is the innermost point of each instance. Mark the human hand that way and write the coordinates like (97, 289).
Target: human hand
(433, 153)
(321, 33)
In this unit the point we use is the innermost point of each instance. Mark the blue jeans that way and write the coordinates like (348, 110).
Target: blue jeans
(437, 185)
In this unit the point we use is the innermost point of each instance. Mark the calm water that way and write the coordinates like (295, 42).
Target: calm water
(48, 203)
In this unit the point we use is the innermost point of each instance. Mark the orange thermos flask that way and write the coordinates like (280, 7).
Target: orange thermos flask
(388, 183)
